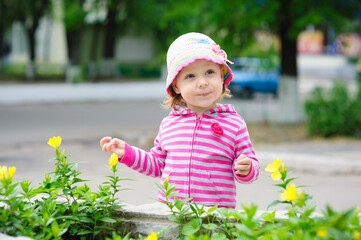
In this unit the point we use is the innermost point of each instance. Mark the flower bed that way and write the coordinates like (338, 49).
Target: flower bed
(64, 207)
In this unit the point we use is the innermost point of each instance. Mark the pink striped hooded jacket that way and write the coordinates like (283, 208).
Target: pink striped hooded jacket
(198, 155)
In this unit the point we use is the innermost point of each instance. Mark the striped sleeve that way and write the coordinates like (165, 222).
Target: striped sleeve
(244, 146)
(148, 163)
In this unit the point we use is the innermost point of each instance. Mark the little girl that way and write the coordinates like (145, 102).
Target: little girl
(202, 146)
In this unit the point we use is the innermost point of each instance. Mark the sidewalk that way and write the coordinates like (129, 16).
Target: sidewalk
(81, 92)
(330, 157)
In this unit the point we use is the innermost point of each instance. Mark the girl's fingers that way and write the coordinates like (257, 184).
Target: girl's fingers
(242, 167)
(105, 147)
(105, 140)
(112, 145)
(117, 143)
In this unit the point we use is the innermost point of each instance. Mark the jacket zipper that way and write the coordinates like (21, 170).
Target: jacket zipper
(198, 120)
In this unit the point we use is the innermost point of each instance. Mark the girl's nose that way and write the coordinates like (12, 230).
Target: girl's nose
(202, 82)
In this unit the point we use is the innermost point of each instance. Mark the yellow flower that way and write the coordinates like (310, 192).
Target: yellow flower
(322, 233)
(6, 173)
(55, 142)
(274, 169)
(274, 166)
(113, 160)
(356, 235)
(276, 176)
(152, 236)
(290, 194)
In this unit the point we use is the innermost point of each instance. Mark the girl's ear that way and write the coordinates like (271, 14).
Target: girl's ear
(175, 88)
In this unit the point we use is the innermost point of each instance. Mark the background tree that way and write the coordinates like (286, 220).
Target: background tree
(3, 19)
(119, 20)
(7, 17)
(234, 23)
(74, 22)
(29, 13)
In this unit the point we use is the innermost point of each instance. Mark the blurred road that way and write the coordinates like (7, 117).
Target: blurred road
(331, 169)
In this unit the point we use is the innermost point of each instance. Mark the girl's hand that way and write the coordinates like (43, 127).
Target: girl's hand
(112, 145)
(243, 165)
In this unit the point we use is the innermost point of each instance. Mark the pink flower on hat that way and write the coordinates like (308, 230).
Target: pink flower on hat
(216, 129)
(217, 50)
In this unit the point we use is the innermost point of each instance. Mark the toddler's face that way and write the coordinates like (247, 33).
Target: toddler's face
(200, 85)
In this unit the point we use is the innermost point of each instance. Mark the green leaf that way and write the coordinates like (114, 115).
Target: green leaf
(160, 187)
(84, 232)
(25, 186)
(244, 229)
(223, 211)
(250, 209)
(201, 210)
(218, 236)
(173, 218)
(165, 183)
(50, 220)
(289, 180)
(125, 179)
(210, 226)
(179, 205)
(191, 227)
(70, 217)
(169, 191)
(275, 202)
(86, 220)
(87, 198)
(107, 220)
(282, 185)
(212, 209)
(194, 210)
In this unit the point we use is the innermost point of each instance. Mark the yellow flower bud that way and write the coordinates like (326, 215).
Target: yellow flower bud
(12, 171)
(283, 168)
(1, 173)
(4, 174)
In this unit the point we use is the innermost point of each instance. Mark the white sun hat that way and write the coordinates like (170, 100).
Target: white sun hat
(188, 48)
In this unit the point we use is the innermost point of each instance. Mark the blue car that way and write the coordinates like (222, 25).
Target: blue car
(253, 75)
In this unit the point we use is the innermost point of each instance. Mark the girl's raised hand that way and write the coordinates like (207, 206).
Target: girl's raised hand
(243, 165)
(112, 145)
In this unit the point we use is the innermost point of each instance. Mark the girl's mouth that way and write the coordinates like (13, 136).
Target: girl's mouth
(204, 94)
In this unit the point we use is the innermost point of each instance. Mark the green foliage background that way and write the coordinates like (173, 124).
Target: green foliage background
(333, 112)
